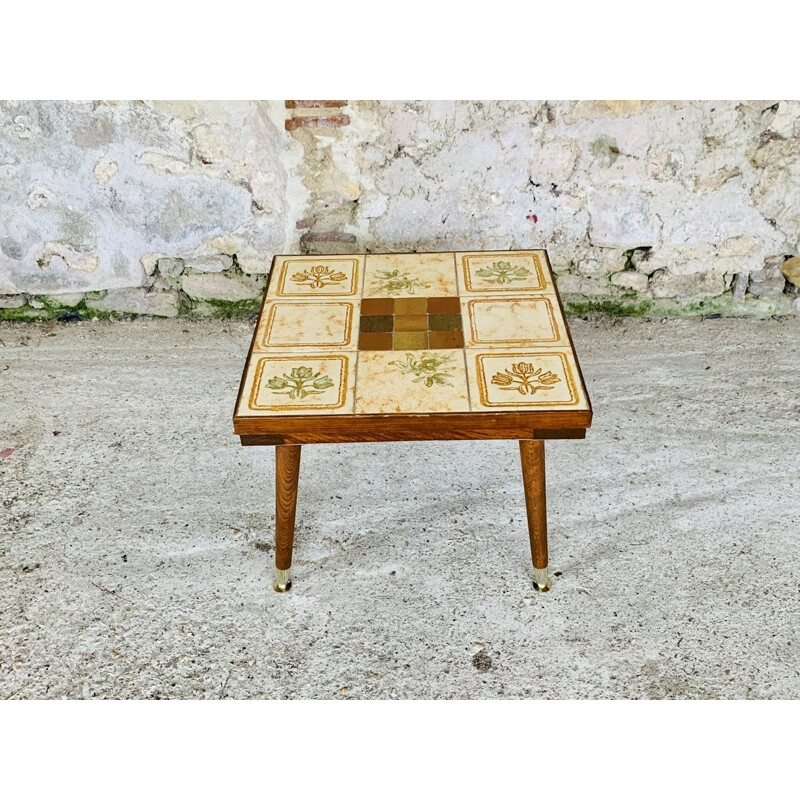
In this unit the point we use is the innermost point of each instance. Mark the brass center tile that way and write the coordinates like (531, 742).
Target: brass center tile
(410, 323)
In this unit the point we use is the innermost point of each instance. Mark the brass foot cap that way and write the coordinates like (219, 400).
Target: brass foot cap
(282, 581)
(541, 580)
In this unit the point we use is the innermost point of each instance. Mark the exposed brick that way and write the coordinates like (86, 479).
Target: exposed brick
(315, 103)
(333, 121)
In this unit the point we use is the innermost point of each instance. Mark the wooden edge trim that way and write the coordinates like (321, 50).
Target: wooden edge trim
(400, 427)
(438, 435)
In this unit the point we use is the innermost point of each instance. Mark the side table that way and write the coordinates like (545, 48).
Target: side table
(399, 347)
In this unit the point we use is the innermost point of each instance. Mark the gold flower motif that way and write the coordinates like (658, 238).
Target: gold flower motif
(317, 277)
(299, 383)
(525, 379)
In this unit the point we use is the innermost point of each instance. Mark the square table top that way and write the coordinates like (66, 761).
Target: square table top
(372, 347)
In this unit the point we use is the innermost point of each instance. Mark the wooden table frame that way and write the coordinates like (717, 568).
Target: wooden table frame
(530, 427)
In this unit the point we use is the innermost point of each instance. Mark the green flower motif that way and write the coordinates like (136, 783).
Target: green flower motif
(503, 272)
(392, 282)
(432, 370)
(297, 383)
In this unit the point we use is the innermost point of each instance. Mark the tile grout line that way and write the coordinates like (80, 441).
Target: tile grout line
(358, 349)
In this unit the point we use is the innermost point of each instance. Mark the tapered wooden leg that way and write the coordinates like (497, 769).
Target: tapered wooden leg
(533, 477)
(287, 472)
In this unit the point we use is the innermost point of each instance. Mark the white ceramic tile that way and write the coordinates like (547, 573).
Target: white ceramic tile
(316, 276)
(500, 273)
(524, 378)
(410, 275)
(305, 383)
(418, 382)
(504, 321)
(302, 325)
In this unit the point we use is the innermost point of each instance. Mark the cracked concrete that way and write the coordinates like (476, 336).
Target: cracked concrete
(135, 545)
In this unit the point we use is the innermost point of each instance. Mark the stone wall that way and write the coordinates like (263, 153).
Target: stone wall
(116, 208)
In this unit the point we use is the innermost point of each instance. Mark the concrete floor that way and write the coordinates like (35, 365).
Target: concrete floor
(135, 544)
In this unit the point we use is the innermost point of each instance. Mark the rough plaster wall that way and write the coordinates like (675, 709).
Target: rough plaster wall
(671, 206)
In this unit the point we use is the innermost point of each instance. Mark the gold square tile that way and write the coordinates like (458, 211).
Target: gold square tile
(302, 325)
(411, 382)
(498, 273)
(410, 305)
(513, 321)
(411, 322)
(410, 275)
(311, 383)
(317, 276)
(522, 379)
(410, 340)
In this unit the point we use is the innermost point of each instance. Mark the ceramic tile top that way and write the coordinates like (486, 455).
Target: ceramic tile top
(411, 334)
(316, 276)
(503, 273)
(294, 325)
(411, 275)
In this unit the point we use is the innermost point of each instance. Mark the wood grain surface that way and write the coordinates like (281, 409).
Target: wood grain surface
(287, 473)
(533, 478)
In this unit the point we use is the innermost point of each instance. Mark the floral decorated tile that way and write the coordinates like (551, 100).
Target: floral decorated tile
(506, 321)
(316, 276)
(312, 383)
(411, 382)
(302, 325)
(501, 273)
(410, 275)
(522, 379)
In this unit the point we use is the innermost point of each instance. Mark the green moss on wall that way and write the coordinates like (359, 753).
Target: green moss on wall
(225, 309)
(612, 308)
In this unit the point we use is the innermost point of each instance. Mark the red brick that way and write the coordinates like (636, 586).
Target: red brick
(335, 121)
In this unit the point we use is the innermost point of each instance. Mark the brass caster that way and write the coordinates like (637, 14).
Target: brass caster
(541, 580)
(282, 581)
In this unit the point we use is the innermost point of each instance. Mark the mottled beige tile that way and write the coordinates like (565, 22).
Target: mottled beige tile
(316, 276)
(524, 379)
(506, 321)
(410, 275)
(301, 325)
(498, 273)
(309, 383)
(419, 382)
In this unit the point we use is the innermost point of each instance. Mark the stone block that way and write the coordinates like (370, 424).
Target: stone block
(770, 280)
(621, 218)
(554, 163)
(68, 299)
(171, 267)
(628, 279)
(13, 300)
(215, 286)
(685, 287)
(137, 301)
(217, 263)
